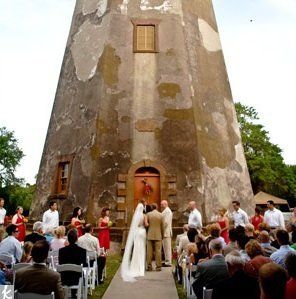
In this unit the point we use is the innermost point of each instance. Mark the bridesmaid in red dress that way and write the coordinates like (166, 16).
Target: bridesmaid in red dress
(104, 229)
(223, 221)
(257, 218)
(77, 221)
(19, 220)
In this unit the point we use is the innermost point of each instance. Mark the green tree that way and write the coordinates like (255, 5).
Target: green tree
(10, 156)
(267, 168)
(20, 195)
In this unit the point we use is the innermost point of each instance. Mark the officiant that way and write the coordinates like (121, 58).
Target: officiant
(167, 218)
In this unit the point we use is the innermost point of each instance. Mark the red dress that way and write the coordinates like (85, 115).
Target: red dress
(104, 236)
(256, 220)
(79, 228)
(21, 228)
(224, 234)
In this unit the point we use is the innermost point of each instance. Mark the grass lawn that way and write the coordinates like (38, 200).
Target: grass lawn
(113, 263)
(180, 290)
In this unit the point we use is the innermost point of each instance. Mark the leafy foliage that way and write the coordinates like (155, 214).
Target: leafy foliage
(267, 168)
(10, 156)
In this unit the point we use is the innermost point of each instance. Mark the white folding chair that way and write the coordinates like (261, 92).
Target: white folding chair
(207, 293)
(53, 259)
(16, 267)
(18, 295)
(92, 270)
(81, 286)
(7, 259)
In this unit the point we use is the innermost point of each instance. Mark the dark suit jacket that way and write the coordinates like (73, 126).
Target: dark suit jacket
(39, 279)
(72, 254)
(34, 237)
(209, 273)
(240, 285)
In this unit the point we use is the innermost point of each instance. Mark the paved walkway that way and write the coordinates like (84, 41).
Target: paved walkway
(155, 285)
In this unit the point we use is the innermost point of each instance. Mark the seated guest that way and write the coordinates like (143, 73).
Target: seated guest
(255, 253)
(232, 245)
(38, 278)
(279, 256)
(242, 240)
(10, 245)
(27, 258)
(183, 240)
(201, 253)
(290, 263)
(272, 281)
(186, 250)
(72, 254)
(59, 239)
(264, 226)
(215, 230)
(249, 231)
(264, 241)
(37, 234)
(209, 273)
(91, 243)
(2, 233)
(238, 282)
(184, 234)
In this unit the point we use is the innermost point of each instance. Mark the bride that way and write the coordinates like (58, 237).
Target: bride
(134, 258)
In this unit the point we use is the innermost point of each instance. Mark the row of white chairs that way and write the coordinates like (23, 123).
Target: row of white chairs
(86, 284)
(188, 280)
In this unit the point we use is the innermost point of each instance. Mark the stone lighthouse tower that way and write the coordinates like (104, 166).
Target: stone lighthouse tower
(143, 109)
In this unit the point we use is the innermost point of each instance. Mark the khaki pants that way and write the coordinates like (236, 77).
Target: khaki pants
(153, 246)
(167, 248)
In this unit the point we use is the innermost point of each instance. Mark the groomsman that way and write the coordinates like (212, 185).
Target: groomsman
(50, 220)
(167, 217)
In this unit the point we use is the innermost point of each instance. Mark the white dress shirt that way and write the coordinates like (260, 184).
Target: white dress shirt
(195, 220)
(50, 221)
(89, 242)
(240, 218)
(274, 218)
(2, 215)
(10, 245)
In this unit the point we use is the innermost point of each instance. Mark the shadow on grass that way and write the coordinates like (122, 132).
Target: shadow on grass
(113, 263)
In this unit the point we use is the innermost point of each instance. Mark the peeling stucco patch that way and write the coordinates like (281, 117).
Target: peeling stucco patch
(109, 64)
(210, 38)
(87, 47)
(123, 7)
(90, 6)
(146, 125)
(163, 6)
(168, 90)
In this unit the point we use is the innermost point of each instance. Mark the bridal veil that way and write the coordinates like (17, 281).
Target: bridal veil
(127, 256)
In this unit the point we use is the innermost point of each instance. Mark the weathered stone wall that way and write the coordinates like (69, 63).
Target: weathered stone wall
(115, 110)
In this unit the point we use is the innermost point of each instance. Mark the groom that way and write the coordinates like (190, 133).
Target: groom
(154, 237)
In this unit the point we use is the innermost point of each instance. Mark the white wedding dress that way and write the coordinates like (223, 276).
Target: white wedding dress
(134, 258)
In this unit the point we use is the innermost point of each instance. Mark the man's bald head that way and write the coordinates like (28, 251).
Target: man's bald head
(164, 204)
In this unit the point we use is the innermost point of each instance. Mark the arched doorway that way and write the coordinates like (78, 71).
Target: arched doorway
(147, 185)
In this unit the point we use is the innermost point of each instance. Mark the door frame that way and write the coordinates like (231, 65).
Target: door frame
(131, 188)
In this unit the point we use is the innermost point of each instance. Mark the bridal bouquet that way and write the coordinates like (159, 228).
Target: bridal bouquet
(110, 223)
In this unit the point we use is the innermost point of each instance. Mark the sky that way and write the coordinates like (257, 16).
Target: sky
(259, 44)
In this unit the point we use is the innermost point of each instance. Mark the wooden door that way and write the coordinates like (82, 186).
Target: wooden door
(147, 185)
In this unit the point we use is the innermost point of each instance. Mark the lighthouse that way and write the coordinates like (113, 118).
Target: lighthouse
(143, 110)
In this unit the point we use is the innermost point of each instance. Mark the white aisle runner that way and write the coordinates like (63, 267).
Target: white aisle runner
(155, 285)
